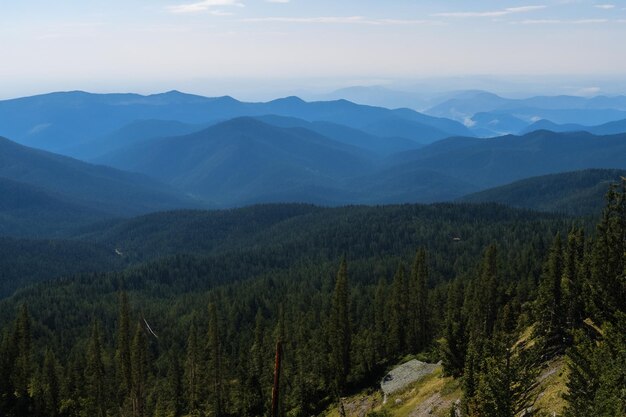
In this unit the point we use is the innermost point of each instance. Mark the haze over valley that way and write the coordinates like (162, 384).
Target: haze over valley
(290, 208)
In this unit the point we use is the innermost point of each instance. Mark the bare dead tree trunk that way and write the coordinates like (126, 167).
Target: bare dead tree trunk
(276, 389)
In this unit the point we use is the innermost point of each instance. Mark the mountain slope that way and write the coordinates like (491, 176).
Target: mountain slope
(26, 210)
(350, 136)
(101, 189)
(490, 162)
(135, 132)
(244, 160)
(576, 193)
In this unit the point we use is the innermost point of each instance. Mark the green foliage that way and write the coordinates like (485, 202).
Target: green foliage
(339, 332)
(336, 332)
(550, 309)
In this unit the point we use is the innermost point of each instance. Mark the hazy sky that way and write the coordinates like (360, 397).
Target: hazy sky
(214, 45)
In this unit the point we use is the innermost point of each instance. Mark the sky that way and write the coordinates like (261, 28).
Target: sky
(269, 47)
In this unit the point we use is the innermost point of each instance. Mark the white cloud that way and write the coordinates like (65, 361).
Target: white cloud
(559, 22)
(202, 6)
(604, 6)
(588, 91)
(540, 22)
(493, 13)
(340, 20)
(588, 21)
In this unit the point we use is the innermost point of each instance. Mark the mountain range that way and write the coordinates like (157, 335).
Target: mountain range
(66, 122)
(324, 153)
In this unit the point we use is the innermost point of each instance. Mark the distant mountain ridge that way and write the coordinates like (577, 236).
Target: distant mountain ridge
(60, 121)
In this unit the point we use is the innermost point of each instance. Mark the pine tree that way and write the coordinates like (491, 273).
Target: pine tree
(380, 321)
(95, 391)
(122, 355)
(139, 372)
(23, 366)
(418, 311)
(193, 372)
(597, 365)
(471, 378)
(174, 393)
(339, 328)
(8, 353)
(50, 385)
(254, 382)
(484, 301)
(214, 364)
(454, 343)
(507, 382)
(574, 278)
(549, 304)
(607, 291)
(398, 313)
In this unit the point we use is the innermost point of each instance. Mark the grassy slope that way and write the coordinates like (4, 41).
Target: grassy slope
(434, 394)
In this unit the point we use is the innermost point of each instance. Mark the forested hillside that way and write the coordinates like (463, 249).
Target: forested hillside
(578, 193)
(348, 291)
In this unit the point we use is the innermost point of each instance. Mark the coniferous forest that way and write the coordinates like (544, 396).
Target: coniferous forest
(492, 292)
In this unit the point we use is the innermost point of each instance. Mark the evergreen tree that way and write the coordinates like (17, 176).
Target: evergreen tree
(50, 387)
(597, 377)
(122, 356)
(484, 300)
(380, 322)
(8, 353)
(95, 390)
(254, 380)
(398, 313)
(418, 312)
(454, 343)
(471, 378)
(574, 278)
(174, 393)
(23, 366)
(549, 304)
(507, 382)
(139, 372)
(214, 364)
(193, 372)
(607, 290)
(339, 328)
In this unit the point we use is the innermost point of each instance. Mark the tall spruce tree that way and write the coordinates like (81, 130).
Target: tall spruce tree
(50, 386)
(549, 305)
(607, 292)
(398, 313)
(380, 321)
(214, 364)
(123, 356)
(23, 366)
(139, 351)
(418, 310)
(454, 344)
(193, 371)
(95, 403)
(507, 381)
(484, 297)
(574, 279)
(339, 328)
